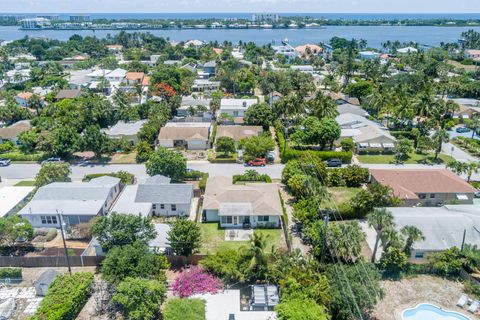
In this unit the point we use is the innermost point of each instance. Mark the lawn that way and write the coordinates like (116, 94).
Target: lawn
(340, 195)
(213, 238)
(25, 183)
(413, 159)
(123, 158)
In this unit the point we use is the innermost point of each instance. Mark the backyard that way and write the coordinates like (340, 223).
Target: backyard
(414, 158)
(340, 195)
(213, 238)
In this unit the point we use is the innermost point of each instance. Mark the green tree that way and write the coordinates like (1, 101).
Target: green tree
(322, 106)
(257, 147)
(412, 234)
(29, 141)
(121, 229)
(359, 89)
(225, 145)
(63, 141)
(168, 163)
(347, 144)
(184, 237)
(321, 132)
(139, 299)
(300, 309)
(133, 260)
(260, 114)
(95, 140)
(244, 81)
(256, 256)
(376, 195)
(14, 228)
(225, 264)
(393, 260)
(144, 151)
(380, 220)
(402, 149)
(52, 172)
(439, 137)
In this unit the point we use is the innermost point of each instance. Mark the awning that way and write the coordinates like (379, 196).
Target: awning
(363, 145)
(375, 145)
(388, 145)
(461, 196)
(465, 116)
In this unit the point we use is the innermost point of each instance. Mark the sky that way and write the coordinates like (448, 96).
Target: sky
(304, 6)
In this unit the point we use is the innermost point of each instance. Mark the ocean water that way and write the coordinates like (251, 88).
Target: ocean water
(375, 35)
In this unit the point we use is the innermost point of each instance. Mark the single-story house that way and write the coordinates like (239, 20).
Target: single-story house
(68, 94)
(73, 202)
(443, 227)
(191, 101)
(425, 187)
(368, 55)
(126, 130)
(23, 99)
(11, 197)
(235, 107)
(156, 197)
(192, 135)
(472, 54)
(238, 132)
(254, 204)
(11, 132)
(43, 282)
(407, 50)
(351, 108)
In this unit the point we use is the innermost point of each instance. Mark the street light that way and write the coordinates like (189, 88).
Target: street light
(64, 243)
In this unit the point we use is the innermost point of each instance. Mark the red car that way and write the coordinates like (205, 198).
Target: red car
(259, 162)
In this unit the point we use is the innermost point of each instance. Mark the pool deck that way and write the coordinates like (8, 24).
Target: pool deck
(407, 293)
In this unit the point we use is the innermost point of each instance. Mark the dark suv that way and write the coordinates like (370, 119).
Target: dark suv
(334, 163)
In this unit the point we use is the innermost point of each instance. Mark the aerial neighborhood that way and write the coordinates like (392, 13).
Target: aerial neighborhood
(145, 178)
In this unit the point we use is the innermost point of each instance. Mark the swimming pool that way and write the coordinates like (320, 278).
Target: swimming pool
(427, 311)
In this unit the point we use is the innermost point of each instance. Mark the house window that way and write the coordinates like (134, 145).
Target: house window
(263, 218)
(235, 113)
(422, 195)
(419, 255)
(174, 207)
(48, 219)
(154, 206)
(432, 195)
(162, 206)
(227, 219)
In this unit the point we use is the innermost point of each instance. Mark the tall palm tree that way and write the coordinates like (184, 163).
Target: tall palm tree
(257, 256)
(439, 137)
(322, 106)
(380, 220)
(472, 167)
(412, 234)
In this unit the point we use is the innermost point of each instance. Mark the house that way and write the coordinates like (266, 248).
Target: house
(134, 78)
(238, 132)
(472, 54)
(205, 85)
(78, 79)
(210, 68)
(114, 48)
(407, 50)
(304, 68)
(192, 135)
(156, 197)
(11, 132)
(351, 108)
(235, 107)
(308, 50)
(368, 55)
(160, 244)
(23, 99)
(425, 187)
(443, 227)
(126, 130)
(286, 51)
(17, 76)
(11, 198)
(194, 43)
(43, 282)
(68, 94)
(190, 103)
(253, 204)
(71, 202)
(468, 108)
(366, 134)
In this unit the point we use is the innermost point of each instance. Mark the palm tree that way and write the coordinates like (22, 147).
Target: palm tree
(257, 256)
(457, 166)
(412, 234)
(471, 168)
(380, 220)
(322, 106)
(439, 137)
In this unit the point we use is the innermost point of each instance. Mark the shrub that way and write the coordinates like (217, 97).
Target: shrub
(252, 176)
(51, 234)
(351, 176)
(125, 177)
(303, 309)
(180, 309)
(12, 273)
(195, 281)
(17, 156)
(65, 297)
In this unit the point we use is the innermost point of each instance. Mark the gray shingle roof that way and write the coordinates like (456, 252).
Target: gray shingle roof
(164, 193)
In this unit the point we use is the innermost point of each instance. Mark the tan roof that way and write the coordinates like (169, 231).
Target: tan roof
(314, 49)
(15, 129)
(406, 184)
(184, 133)
(263, 197)
(238, 132)
(146, 81)
(135, 76)
(25, 95)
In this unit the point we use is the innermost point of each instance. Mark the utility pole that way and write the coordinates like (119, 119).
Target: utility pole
(64, 243)
(326, 219)
(463, 240)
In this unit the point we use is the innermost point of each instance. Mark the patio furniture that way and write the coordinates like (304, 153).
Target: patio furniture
(474, 306)
(462, 301)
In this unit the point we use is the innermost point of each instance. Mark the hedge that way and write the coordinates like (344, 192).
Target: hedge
(125, 177)
(251, 176)
(180, 309)
(287, 153)
(66, 297)
(17, 156)
(12, 273)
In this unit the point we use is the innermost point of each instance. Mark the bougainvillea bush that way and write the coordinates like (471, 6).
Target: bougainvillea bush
(195, 280)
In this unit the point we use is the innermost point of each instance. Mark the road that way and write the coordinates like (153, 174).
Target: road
(28, 171)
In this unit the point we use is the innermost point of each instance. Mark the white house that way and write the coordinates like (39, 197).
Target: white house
(407, 50)
(156, 197)
(235, 107)
(11, 197)
(72, 202)
(368, 55)
(254, 204)
(192, 135)
(126, 130)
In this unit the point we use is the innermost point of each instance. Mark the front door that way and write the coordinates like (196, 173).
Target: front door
(235, 220)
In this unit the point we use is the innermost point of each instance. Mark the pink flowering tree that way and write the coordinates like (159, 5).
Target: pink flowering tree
(195, 281)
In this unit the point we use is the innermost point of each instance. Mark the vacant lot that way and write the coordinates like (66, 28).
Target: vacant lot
(340, 195)
(213, 238)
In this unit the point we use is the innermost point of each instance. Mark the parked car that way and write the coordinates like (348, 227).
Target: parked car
(334, 163)
(462, 130)
(271, 156)
(477, 194)
(52, 160)
(5, 162)
(259, 162)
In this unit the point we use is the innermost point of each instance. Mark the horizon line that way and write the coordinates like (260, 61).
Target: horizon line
(235, 12)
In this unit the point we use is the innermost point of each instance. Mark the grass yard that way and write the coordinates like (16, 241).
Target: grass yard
(123, 158)
(25, 183)
(213, 238)
(413, 159)
(340, 195)
(456, 64)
